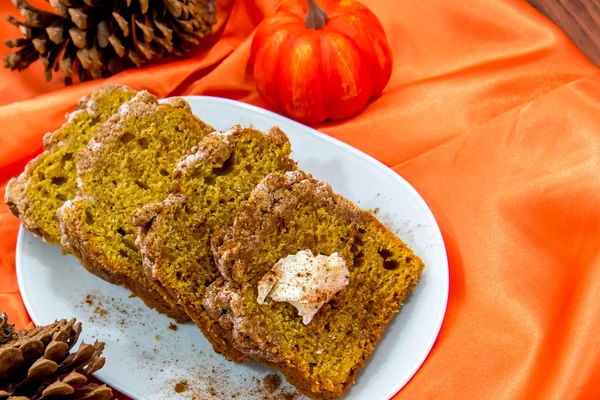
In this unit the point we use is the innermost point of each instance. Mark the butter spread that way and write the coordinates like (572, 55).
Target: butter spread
(305, 281)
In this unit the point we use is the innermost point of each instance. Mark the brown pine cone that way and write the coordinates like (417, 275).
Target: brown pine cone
(91, 39)
(7, 330)
(38, 364)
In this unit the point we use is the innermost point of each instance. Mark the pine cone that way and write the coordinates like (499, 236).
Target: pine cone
(38, 364)
(7, 331)
(92, 39)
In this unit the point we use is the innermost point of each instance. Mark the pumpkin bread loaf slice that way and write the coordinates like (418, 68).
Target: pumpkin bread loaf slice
(126, 166)
(289, 214)
(208, 186)
(49, 179)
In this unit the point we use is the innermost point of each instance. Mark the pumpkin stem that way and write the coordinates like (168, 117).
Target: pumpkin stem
(316, 17)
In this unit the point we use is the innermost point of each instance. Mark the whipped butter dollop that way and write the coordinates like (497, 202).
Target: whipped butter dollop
(305, 281)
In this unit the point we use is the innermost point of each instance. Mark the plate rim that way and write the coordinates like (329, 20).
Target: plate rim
(439, 240)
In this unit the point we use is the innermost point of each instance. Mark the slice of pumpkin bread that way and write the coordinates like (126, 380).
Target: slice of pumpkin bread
(49, 179)
(126, 166)
(208, 186)
(289, 214)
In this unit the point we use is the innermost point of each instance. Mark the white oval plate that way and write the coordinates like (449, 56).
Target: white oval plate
(146, 359)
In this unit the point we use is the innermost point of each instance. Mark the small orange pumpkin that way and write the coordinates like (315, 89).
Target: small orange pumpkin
(317, 63)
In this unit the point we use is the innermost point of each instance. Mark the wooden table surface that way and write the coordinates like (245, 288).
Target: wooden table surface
(579, 19)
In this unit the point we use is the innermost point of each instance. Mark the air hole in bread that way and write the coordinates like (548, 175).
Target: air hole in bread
(59, 180)
(387, 263)
(358, 259)
(408, 259)
(89, 218)
(209, 180)
(61, 197)
(142, 185)
(67, 157)
(226, 168)
(358, 241)
(391, 264)
(121, 232)
(361, 230)
(326, 327)
(127, 137)
(384, 253)
(164, 172)
(123, 253)
(143, 143)
(249, 168)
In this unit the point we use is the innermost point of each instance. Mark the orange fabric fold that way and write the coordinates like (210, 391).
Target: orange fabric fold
(494, 116)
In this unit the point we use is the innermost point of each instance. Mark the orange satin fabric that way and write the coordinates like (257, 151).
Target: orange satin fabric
(494, 116)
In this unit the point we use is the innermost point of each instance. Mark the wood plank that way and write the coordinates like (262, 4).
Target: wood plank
(579, 19)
